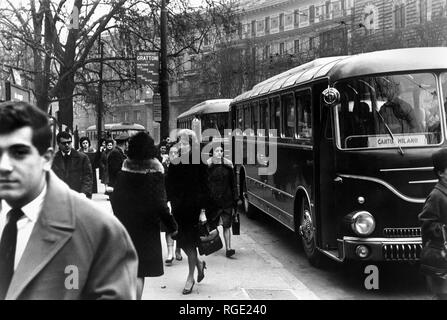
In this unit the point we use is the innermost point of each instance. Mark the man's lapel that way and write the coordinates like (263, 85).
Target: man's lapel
(52, 230)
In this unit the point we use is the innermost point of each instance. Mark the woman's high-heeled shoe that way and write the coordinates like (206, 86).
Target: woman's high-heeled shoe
(188, 291)
(168, 262)
(201, 273)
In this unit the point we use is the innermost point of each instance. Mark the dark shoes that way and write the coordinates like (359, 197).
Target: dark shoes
(168, 262)
(188, 290)
(230, 253)
(201, 273)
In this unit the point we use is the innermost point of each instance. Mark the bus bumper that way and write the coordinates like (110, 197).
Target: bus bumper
(380, 249)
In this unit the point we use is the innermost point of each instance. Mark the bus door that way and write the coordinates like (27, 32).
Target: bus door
(325, 204)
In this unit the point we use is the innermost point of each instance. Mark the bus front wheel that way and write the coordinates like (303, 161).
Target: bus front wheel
(307, 231)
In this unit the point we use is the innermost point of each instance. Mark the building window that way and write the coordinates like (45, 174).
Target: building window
(399, 14)
(281, 48)
(253, 28)
(281, 22)
(425, 8)
(266, 52)
(296, 18)
(296, 46)
(267, 25)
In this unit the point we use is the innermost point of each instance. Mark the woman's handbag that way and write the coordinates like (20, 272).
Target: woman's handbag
(236, 223)
(210, 241)
(433, 260)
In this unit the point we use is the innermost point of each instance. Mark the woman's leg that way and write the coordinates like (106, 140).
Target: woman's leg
(140, 286)
(178, 253)
(170, 245)
(193, 263)
(227, 238)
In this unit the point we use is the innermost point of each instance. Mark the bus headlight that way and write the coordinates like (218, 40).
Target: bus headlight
(363, 223)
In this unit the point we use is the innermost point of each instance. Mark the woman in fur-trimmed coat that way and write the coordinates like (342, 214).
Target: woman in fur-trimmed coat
(139, 202)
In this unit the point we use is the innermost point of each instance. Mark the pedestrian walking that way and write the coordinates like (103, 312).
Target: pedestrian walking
(186, 186)
(116, 158)
(139, 202)
(54, 243)
(166, 156)
(223, 193)
(71, 166)
(434, 217)
(109, 143)
(87, 149)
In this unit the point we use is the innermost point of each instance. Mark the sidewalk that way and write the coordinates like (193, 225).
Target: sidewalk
(252, 273)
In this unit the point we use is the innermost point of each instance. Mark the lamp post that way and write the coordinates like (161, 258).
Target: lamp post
(99, 104)
(164, 77)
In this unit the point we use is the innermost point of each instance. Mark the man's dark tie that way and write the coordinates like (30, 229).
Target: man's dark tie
(8, 251)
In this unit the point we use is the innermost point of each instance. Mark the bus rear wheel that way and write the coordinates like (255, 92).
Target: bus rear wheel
(307, 231)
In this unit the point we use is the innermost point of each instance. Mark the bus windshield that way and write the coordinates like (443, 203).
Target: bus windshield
(392, 111)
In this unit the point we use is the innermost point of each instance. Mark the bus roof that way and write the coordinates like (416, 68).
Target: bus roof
(208, 106)
(119, 126)
(342, 67)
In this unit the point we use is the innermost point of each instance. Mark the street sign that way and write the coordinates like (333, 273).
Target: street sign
(156, 108)
(147, 68)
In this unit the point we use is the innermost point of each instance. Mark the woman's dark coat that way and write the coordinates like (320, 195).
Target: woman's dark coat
(139, 202)
(187, 190)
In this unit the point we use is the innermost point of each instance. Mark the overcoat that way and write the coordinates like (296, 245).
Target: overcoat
(76, 172)
(139, 202)
(75, 251)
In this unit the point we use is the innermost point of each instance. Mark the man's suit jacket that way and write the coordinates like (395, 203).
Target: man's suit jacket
(77, 173)
(76, 251)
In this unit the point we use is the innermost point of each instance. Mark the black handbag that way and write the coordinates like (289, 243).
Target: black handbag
(433, 260)
(236, 223)
(210, 241)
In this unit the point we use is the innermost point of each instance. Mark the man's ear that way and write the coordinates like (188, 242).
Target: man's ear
(48, 159)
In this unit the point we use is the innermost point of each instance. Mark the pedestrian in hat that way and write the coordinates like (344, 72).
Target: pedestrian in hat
(139, 202)
(434, 217)
(116, 158)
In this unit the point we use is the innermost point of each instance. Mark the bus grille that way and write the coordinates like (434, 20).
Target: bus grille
(401, 252)
(402, 232)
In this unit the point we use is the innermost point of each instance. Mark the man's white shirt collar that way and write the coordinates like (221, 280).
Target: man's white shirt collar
(30, 210)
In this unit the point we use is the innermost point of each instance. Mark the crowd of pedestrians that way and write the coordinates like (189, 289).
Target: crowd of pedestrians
(150, 188)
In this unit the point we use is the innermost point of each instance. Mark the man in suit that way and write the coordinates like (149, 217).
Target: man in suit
(116, 158)
(72, 167)
(54, 242)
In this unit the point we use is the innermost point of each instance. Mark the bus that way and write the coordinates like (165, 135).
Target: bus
(111, 130)
(213, 114)
(355, 135)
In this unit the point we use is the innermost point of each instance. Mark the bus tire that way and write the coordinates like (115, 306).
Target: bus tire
(307, 232)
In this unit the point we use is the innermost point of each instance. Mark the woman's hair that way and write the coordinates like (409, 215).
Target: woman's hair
(141, 147)
(84, 139)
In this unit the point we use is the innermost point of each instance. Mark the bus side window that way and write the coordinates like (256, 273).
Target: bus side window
(247, 117)
(288, 103)
(303, 104)
(255, 114)
(275, 115)
(265, 116)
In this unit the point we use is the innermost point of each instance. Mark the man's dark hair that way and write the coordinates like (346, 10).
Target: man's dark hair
(15, 115)
(63, 134)
(141, 147)
(439, 161)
